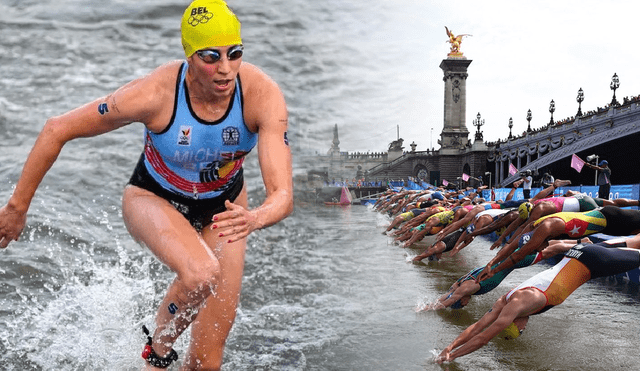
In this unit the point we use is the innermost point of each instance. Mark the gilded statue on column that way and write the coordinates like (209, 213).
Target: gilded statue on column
(455, 42)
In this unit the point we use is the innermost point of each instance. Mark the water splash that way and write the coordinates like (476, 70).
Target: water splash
(95, 314)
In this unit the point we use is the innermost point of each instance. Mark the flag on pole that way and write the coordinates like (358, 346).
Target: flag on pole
(465, 177)
(444, 182)
(512, 169)
(577, 163)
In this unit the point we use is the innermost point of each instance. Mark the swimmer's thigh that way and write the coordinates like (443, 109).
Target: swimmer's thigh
(211, 327)
(156, 224)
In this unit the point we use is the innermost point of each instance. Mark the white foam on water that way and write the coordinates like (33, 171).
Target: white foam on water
(93, 321)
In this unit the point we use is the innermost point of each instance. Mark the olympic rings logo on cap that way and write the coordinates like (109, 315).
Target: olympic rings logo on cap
(195, 20)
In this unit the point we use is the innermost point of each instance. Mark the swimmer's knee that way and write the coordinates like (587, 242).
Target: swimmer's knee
(201, 278)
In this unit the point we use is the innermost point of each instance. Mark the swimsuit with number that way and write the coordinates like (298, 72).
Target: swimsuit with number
(580, 264)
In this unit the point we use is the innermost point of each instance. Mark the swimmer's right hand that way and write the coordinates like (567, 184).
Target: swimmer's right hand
(485, 274)
(12, 223)
(445, 356)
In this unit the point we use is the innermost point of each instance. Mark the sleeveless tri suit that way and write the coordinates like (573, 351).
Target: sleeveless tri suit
(196, 164)
(580, 264)
(611, 220)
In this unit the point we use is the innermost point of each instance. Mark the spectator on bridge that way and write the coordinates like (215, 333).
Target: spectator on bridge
(526, 185)
(604, 178)
(547, 180)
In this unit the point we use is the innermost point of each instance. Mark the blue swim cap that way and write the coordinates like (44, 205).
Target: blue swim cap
(457, 304)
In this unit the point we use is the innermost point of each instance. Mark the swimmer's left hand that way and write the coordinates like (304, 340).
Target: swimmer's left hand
(235, 223)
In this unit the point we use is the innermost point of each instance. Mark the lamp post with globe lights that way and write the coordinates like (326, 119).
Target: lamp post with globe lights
(615, 84)
(580, 99)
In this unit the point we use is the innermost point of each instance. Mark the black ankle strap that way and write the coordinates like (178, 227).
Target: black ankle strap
(149, 355)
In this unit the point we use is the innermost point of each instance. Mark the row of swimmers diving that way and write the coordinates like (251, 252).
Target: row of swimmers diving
(531, 230)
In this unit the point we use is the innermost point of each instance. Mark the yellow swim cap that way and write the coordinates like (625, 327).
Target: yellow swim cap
(208, 23)
(511, 332)
(524, 210)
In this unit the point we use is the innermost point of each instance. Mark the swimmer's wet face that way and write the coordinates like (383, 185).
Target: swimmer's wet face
(213, 55)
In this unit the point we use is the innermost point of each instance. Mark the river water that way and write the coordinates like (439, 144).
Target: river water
(324, 289)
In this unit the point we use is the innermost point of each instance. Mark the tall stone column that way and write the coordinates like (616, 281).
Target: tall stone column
(455, 134)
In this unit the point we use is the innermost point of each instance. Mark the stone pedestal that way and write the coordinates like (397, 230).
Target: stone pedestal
(455, 135)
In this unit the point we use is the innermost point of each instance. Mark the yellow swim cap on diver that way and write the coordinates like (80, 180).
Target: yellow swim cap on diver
(511, 332)
(524, 210)
(207, 23)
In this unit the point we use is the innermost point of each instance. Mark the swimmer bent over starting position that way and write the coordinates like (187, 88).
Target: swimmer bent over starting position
(509, 315)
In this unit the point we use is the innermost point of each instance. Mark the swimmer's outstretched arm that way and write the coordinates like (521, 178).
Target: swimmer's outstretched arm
(439, 303)
(461, 244)
(502, 255)
(434, 249)
(502, 221)
(419, 235)
(546, 229)
(520, 230)
(478, 334)
(134, 104)
(634, 242)
(460, 290)
(507, 250)
(556, 247)
(504, 236)
(546, 192)
(454, 226)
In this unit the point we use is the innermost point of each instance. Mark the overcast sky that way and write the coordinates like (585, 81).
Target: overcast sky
(524, 55)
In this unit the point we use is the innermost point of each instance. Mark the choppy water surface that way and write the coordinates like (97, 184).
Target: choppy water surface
(324, 289)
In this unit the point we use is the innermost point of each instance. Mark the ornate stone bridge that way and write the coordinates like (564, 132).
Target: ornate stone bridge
(556, 142)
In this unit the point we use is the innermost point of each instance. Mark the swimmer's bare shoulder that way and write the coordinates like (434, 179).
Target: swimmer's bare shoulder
(147, 99)
(264, 101)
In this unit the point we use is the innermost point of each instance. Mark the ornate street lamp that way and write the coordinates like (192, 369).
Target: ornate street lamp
(552, 109)
(615, 84)
(580, 98)
(478, 122)
(510, 126)
(529, 120)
